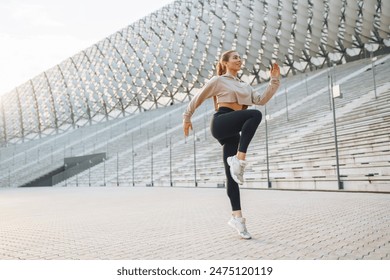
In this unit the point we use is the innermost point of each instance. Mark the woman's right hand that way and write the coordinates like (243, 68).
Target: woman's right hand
(187, 126)
(275, 71)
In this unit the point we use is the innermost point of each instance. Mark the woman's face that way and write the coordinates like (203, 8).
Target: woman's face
(234, 63)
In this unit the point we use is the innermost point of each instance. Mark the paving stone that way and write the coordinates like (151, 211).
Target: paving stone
(190, 223)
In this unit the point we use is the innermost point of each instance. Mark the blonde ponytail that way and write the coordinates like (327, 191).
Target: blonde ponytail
(221, 69)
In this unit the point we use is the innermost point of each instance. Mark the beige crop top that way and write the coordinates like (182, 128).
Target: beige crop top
(230, 89)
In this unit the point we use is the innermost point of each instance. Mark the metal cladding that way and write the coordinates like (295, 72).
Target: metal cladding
(164, 57)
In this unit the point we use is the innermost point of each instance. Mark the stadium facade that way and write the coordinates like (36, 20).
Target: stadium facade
(166, 56)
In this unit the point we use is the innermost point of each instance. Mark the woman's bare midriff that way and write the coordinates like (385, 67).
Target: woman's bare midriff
(234, 106)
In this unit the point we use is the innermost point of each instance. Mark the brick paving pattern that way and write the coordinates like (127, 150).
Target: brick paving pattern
(151, 223)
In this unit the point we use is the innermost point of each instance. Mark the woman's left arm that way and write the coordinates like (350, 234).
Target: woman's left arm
(262, 99)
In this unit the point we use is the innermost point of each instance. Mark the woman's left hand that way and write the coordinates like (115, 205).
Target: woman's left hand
(187, 126)
(275, 71)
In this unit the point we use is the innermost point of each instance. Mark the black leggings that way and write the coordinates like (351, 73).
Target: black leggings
(226, 126)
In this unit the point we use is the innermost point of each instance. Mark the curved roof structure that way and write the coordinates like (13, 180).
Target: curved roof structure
(164, 57)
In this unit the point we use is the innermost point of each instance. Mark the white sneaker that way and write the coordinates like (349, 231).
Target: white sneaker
(237, 168)
(239, 225)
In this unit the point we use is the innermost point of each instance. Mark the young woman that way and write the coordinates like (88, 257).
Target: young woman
(231, 99)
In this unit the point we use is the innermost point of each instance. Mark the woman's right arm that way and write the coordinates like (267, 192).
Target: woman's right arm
(207, 91)
(263, 98)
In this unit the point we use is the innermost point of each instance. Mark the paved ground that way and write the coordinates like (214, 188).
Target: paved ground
(190, 223)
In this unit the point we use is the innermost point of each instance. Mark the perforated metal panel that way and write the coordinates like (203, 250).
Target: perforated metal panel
(164, 57)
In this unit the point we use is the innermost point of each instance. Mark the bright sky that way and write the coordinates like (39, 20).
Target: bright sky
(35, 35)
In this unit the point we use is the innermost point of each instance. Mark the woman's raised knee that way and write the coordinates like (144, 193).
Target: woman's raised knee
(257, 115)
